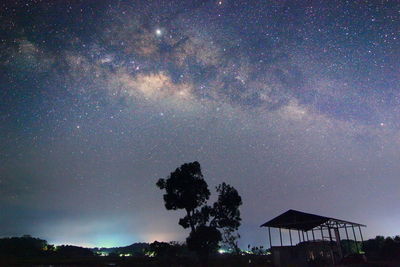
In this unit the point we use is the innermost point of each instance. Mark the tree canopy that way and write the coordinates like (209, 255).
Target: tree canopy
(186, 189)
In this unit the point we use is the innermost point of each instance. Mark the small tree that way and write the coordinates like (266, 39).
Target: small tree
(186, 189)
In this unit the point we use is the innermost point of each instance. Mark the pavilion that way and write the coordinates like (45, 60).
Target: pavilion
(319, 237)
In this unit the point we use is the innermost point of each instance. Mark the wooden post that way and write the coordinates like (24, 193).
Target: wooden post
(338, 243)
(359, 228)
(355, 238)
(280, 234)
(330, 234)
(290, 236)
(347, 236)
(269, 233)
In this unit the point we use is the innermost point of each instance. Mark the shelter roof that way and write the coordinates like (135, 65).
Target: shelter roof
(298, 220)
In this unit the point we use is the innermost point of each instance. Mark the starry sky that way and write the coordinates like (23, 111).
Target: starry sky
(294, 103)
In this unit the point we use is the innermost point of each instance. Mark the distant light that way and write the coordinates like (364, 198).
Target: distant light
(221, 251)
(150, 254)
(158, 32)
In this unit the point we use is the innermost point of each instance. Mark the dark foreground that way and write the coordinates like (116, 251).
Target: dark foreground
(260, 261)
(239, 261)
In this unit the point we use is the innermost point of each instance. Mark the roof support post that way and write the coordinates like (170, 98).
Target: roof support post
(290, 236)
(330, 234)
(307, 236)
(313, 236)
(280, 235)
(322, 234)
(298, 231)
(302, 233)
(269, 234)
(347, 236)
(362, 240)
(338, 239)
(355, 238)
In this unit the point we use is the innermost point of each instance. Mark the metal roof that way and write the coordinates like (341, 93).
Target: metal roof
(298, 220)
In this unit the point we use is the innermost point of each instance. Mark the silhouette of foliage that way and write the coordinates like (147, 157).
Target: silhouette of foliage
(258, 250)
(226, 210)
(135, 249)
(25, 246)
(350, 247)
(166, 250)
(204, 240)
(230, 239)
(186, 189)
(373, 247)
(382, 248)
(73, 252)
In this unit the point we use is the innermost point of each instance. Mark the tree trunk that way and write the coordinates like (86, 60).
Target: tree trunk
(190, 221)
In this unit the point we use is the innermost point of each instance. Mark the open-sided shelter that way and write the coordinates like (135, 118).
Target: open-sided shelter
(317, 236)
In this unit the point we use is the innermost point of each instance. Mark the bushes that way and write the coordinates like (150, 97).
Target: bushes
(381, 248)
(25, 246)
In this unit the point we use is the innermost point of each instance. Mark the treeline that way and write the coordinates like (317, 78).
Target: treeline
(30, 247)
(136, 249)
(378, 248)
(28, 251)
(381, 248)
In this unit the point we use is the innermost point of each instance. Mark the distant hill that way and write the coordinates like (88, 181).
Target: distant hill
(134, 249)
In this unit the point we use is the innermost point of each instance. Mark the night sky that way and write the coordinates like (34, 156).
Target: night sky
(294, 103)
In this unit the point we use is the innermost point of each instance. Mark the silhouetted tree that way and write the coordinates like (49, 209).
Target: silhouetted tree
(350, 247)
(390, 249)
(227, 215)
(185, 188)
(230, 239)
(382, 248)
(373, 247)
(73, 251)
(50, 248)
(258, 250)
(166, 250)
(204, 240)
(25, 246)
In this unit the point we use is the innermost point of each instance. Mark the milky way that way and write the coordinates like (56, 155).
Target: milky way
(294, 103)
